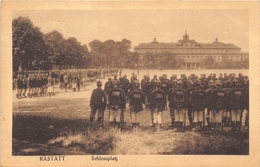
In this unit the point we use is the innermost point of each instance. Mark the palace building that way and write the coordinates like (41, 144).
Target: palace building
(193, 52)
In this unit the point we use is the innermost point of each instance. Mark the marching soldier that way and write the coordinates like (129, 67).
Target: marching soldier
(19, 86)
(24, 85)
(198, 105)
(29, 86)
(179, 102)
(217, 102)
(136, 100)
(157, 99)
(236, 97)
(98, 103)
(117, 105)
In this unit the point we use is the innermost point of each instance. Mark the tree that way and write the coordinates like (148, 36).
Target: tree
(57, 47)
(29, 48)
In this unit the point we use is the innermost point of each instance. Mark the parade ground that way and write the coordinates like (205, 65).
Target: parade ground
(59, 125)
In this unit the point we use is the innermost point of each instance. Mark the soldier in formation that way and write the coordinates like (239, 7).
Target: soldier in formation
(204, 102)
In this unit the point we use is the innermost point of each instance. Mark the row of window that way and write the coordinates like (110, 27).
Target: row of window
(154, 50)
(217, 58)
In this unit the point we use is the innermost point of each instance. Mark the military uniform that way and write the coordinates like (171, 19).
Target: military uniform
(117, 105)
(236, 97)
(98, 103)
(136, 100)
(157, 99)
(217, 102)
(198, 105)
(179, 103)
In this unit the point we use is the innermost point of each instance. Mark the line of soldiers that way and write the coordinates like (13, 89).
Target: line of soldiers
(33, 85)
(202, 102)
(37, 83)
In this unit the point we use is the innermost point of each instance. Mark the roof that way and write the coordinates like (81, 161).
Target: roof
(182, 44)
(177, 45)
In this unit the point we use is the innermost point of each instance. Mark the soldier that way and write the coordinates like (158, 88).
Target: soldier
(78, 80)
(117, 105)
(226, 114)
(98, 103)
(174, 86)
(154, 79)
(50, 85)
(217, 102)
(74, 81)
(198, 105)
(147, 87)
(245, 114)
(29, 85)
(236, 97)
(125, 83)
(165, 83)
(19, 86)
(189, 89)
(66, 81)
(108, 87)
(208, 113)
(25, 83)
(179, 102)
(136, 100)
(157, 99)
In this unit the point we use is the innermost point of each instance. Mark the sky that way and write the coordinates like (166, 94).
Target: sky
(142, 26)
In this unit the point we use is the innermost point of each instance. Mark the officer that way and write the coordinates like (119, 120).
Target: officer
(179, 102)
(98, 103)
(217, 104)
(157, 99)
(117, 105)
(198, 106)
(136, 100)
(236, 97)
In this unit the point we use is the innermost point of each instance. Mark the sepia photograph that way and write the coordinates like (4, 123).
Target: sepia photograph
(88, 82)
(103, 83)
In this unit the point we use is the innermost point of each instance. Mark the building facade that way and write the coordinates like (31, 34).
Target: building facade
(194, 52)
